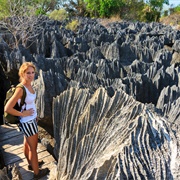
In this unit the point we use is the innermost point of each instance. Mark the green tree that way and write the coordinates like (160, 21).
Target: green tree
(26, 7)
(18, 21)
(109, 7)
(157, 4)
(132, 10)
(92, 7)
(10, 7)
(75, 8)
(128, 9)
(4, 10)
(44, 6)
(177, 9)
(155, 8)
(21, 30)
(103, 8)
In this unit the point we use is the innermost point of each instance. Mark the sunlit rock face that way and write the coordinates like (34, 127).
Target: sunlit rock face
(129, 128)
(103, 137)
(140, 58)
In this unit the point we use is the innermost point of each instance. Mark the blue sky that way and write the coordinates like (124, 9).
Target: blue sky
(174, 2)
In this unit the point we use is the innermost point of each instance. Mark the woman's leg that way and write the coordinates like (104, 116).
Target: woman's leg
(30, 130)
(32, 142)
(26, 150)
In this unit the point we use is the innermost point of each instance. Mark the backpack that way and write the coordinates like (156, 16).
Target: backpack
(8, 117)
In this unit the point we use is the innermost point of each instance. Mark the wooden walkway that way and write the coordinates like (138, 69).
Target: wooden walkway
(11, 146)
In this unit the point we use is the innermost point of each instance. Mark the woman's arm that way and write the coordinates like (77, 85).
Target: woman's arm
(9, 107)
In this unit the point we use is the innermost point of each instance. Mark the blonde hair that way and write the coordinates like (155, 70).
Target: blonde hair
(24, 67)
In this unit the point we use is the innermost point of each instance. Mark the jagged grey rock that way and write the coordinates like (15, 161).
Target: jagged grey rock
(169, 103)
(47, 86)
(111, 94)
(176, 46)
(102, 137)
(4, 174)
(175, 58)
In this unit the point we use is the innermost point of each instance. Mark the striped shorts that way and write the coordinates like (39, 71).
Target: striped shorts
(29, 128)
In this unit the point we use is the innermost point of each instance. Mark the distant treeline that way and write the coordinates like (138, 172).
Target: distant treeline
(134, 10)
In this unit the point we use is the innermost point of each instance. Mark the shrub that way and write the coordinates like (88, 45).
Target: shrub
(73, 25)
(106, 21)
(177, 9)
(60, 14)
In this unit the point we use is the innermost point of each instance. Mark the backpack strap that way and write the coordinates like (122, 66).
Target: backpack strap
(23, 96)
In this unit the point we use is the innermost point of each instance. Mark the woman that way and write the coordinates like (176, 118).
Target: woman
(28, 115)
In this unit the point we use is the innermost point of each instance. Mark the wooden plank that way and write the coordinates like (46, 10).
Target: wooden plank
(45, 156)
(12, 159)
(6, 128)
(9, 135)
(29, 176)
(7, 131)
(15, 148)
(11, 146)
(26, 173)
(14, 156)
(11, 142)
(46, 160)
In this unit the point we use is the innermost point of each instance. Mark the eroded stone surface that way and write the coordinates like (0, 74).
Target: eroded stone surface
(111, 94)
(102, 137)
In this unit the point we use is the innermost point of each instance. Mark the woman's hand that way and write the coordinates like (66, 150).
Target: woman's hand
(28, 112)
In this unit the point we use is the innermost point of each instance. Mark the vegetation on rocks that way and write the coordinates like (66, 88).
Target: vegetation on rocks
(59, 15)
(173, 20)
(72, 25)
(135, 10)
(22, 29)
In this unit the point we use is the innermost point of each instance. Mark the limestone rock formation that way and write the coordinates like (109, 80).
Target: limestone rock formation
(103, 137)
(112, 95)
(3, 174)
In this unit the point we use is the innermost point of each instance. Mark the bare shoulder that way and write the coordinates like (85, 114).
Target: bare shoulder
(18, 92)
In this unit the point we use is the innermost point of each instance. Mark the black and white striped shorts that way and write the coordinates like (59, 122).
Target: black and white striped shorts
(29, 128)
